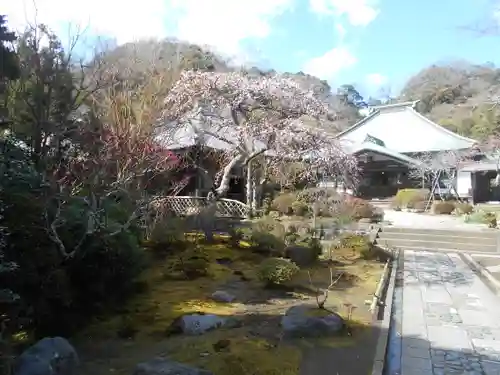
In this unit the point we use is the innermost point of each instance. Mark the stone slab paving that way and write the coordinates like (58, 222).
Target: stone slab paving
(450, 320)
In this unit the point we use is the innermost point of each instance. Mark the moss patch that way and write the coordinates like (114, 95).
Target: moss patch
(243, 354)
(255, 348)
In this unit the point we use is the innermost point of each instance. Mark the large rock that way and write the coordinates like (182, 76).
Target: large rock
(163, 366)
(49, 356)
(309, 321)
(302, 256)
(198, 324)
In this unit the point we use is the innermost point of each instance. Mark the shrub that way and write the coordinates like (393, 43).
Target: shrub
(360, 209)
(267, 243)
(235, 236)
(358, 243)
(463, 208)
(58, 294)
(192, 263)
(354, 241)
(313, 244)
(420, 206)
(283, 203)
(311, 195)
(277, 271)
(396, 204)
(167, 235)
(481, 217)
(300, 208)
(406, 198)
(443, 207)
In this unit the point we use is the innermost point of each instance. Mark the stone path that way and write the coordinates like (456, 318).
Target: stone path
(449, 320)
(427, 221)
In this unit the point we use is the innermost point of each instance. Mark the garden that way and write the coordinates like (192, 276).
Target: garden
(241, 303)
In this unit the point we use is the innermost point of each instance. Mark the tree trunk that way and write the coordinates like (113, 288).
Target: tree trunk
(226, 176)
(249, 189)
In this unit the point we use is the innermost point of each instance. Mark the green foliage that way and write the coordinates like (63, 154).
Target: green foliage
(58, 293)
(277, 271)
(41, 101)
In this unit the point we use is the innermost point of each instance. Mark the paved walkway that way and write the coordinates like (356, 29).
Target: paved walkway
(448, 321)
(428, 221)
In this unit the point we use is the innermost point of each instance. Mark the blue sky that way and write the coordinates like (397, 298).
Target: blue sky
(371, 43)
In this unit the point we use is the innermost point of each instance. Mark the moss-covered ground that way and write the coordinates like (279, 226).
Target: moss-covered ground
(140, 331)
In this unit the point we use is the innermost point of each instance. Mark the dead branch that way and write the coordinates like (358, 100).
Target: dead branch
(324, 294)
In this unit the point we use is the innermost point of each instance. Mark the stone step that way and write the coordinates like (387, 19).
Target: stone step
(464, 237)
(443, 250)
(490, 233)
(430, 245)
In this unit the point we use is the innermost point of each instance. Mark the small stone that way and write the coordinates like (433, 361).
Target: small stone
(223, 296)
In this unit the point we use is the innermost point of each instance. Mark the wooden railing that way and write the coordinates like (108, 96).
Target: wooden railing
(186, 206)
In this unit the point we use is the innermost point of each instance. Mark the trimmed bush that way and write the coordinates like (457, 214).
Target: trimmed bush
(406, 198)
(283, 203)
(277, 271)
(361, 209)
(420, 206)
(300, 208)
(443, 207)
(481, 217)
(463, 208)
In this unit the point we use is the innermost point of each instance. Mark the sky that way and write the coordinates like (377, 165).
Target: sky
(374, 44)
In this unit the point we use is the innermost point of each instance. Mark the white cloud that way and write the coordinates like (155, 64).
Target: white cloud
(223, 24)
(110, 18)
(329, 64)
(226, 23)
(358, 12)
(376, 79)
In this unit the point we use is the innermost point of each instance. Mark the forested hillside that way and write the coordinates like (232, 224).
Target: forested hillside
(458, 95)
(136, 59)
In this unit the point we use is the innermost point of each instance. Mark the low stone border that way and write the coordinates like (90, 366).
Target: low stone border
(483, 272)
(383, 339)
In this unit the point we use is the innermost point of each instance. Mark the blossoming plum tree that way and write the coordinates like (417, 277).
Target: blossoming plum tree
(266, 117)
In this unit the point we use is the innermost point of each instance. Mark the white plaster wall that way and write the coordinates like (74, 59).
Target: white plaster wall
(464, 183)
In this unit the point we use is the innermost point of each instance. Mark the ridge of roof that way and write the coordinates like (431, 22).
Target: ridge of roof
(408, 106)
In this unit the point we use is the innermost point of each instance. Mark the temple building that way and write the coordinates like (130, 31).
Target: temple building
(388, 141)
